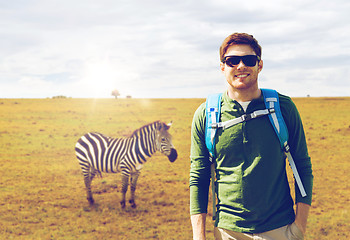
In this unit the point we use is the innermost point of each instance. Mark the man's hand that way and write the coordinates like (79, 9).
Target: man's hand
(302, 214)
(198, 226)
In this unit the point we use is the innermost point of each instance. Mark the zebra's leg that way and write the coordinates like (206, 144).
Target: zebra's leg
(133, 182)
(125, 183)
(87, 180)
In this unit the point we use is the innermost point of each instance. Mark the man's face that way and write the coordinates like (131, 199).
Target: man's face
(241, 77)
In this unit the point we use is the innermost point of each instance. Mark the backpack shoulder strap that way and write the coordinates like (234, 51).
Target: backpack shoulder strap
(213, 109)
(212, 113)
(271, 100)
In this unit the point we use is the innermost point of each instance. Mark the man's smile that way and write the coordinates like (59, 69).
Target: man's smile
(242, 75)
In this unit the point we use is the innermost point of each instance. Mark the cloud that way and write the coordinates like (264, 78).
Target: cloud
(168, 48)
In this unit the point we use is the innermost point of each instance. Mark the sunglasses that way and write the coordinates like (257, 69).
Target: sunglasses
(248, 60)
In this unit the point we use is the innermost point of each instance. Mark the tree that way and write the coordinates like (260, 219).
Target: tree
(115, 93)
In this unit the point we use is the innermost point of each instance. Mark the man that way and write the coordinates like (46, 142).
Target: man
(253, 194)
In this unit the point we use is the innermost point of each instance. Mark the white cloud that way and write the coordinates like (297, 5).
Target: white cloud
(168, 48)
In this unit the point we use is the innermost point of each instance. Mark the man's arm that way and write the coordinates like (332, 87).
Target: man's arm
(299, 151)
(302, 213)
(199, 175)
(198, 226)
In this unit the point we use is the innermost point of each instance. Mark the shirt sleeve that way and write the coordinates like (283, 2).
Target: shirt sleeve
(200, 164)
(298, 148)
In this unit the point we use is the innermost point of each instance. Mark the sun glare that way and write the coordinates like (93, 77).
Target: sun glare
(100, 78)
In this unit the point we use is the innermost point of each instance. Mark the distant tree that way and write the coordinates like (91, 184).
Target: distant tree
(115, 93)
(58, 97)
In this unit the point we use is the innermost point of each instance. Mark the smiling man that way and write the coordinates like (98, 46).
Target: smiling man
(252, 189)
(242, 79)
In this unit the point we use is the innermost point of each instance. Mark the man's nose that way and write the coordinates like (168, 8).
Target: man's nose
(240, 65)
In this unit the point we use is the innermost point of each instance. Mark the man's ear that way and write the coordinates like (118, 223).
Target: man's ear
(222, 67)
(260, 65)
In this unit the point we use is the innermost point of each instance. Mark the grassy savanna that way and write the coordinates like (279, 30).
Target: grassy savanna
(42, 193)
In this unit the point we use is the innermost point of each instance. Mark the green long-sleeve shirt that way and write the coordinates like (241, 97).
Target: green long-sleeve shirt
(253, 193)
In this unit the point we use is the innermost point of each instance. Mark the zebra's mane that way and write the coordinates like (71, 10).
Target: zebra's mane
(137, 131)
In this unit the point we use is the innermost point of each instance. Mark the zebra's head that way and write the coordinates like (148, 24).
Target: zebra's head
(164, 143)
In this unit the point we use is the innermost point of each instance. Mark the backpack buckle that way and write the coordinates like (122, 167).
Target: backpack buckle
(286, 147)
(271, 110)
(246, 117)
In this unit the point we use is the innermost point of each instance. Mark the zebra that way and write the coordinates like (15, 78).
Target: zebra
(98, 153)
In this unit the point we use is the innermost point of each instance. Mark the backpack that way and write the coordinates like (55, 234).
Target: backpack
(273, 110)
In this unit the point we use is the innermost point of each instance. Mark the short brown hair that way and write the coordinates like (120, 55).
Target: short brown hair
(239, 38)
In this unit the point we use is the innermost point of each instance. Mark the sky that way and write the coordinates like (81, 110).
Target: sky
(168, 49)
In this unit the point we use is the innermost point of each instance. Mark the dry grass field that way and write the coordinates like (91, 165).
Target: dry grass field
(42, 193)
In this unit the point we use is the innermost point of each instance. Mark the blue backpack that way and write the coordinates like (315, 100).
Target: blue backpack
(271, 99)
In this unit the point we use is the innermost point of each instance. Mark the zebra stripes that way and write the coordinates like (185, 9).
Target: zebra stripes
(98, 153)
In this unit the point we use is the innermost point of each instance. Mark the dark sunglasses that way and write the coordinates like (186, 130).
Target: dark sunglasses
(248, 60)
